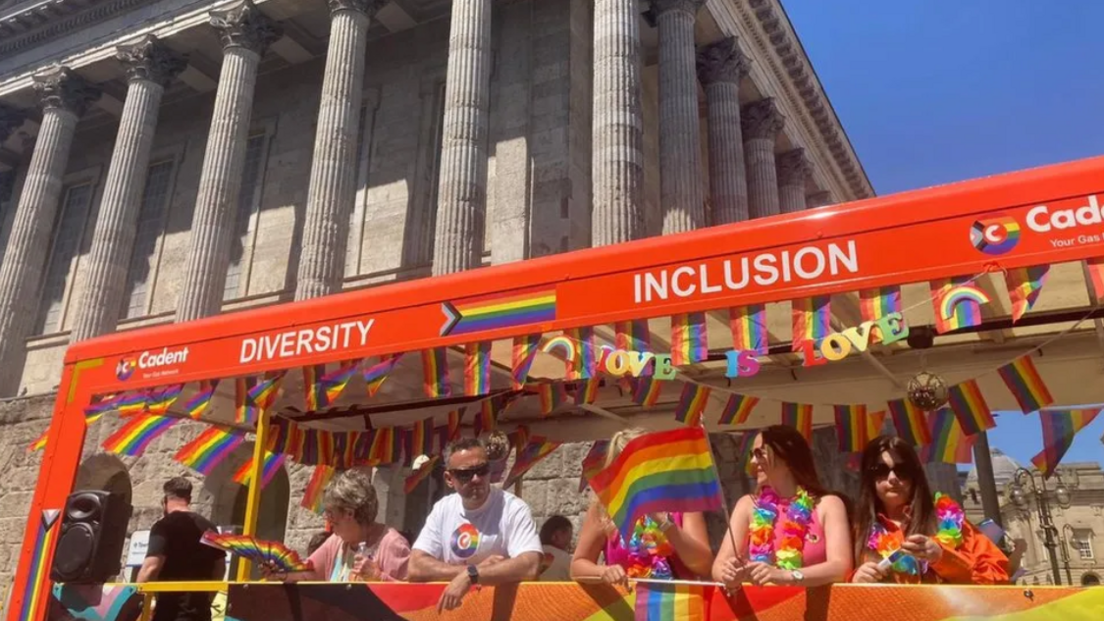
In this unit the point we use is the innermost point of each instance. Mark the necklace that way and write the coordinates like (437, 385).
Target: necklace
(795, 526)
(949, 518)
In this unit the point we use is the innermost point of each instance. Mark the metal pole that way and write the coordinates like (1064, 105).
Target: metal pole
(987, 485)
(1065, 553)
(1048, 529)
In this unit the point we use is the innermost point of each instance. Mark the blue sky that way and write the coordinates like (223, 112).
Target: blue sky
(942, 90)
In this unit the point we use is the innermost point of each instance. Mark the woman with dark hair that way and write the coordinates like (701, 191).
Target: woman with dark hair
(792, 530)
(904, 534)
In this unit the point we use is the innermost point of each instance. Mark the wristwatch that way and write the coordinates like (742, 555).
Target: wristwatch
(798, 576)
(473, 574)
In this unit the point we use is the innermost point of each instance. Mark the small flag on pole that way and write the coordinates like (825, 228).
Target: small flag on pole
(1025, 384)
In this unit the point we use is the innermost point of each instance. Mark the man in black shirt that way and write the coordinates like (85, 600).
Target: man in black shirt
(175, 554)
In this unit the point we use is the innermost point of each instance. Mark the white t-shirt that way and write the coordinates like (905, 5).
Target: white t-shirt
(556, 565)
(502, 526)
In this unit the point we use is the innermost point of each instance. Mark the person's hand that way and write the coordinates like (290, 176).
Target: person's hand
(761, 574)
(868, 573)
(614, 574)
(269, 571)
(454, 593)
(733, 572)
(663, 519)
(366, 569)
(923, 547)
(493, 559)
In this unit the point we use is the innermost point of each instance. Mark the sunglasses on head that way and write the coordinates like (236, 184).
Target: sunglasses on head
(466, 474)
(882, 471)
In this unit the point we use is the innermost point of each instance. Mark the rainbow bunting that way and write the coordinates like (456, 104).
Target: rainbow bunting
(957, 303)
(692, 404)
(272, 463)
(253, 396)
(518, 439)
(521, 360)
(633, 335)
(316, 488)
(743, 453)
(435, 373)
(455, 418)
(660, 601)
(593, 462)
(949, 444)
(553, 396)
(1095, 269)
(738, 409)
(664, 471)
(812, 320)
(344, 449)
(477, 368)
(131, 404)
(877, 303)
(99, 407)
(749, 328)
(1025, 384)
(910, 422)
(421, 474)
(1059, 428)
(160, 400)
(324, 388)
(1024, 285)
(201, 399)
(535, 451)
(315, 398)
(314, 446)
(133, 437)
(420, 439)
(851, 427)
(970, 407)
(489, 411)
(586, 352)
(40, 441)
(283, 436)
(689, 341)
(209, 449)
(586, 391)
(375, 375)
(874, 423)
(383, 451)
(800, 417)
(646, 391)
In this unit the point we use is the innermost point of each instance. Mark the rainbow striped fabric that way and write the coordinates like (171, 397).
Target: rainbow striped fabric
(271, 465)
(477, 368)
(1060, 426)
(535, 451)
(877, 303)
(593, 462)
(271, 553)
(496, 312)
(160, 400)
(800, 417)
(737, 409)
(435, 375)
(957, 303)
(663, 471)
(691, 404)
(851, 427)
(553, 396)
(949, 444)
(316, 489)
(521, 359)
(749, 328)
(812, 320)
(1024, 286)
(1095, 268)
(586, 352)
(201, 400)
(131, 404)
(136, 434)
(100, 406)
(40, 442)
(743, 454)
(633, 335)
(970, 407)
(874, 423)
(385, 447)
(1025, 384)
(36, 592)
(646, 391)
(421, 474)
(455, 418)
(420, 439)
(586, 391)
(689, 340)
(659, 601)
(375, 375)
(252, 396)
(323, 388)
(344, 449)
(209, 449)
(910, 422)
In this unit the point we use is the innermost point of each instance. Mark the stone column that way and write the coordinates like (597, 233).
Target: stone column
(818, 199)
(150, 66)
(793, 170)
(245, 33)
(332, 187)
(680, 168)
(721, 66)
(617, 142)
(64, 96)
(462, 190)
(761, 121)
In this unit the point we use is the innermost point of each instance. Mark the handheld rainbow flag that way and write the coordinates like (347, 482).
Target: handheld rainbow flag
(970, 407)
(586, 391)
(749, 328)
(874, 423)
(666, 601)
(420, 474)
(375, 375)
(957, 303)
(209, 449)
(161, 399)
(269, 553)
(949, 444)
(1024, 286)
(40, 442)
(1095, 271)
(692, 404)
(851, 427)
(689, 340)
(316, 489)
(477, 368)
(800, 417)
(199, 402)
(646, 390)
(633, 335)
(535, 451)
(270, 466)
(1025, 384)
(435, 373)
(521, 359)
(738, 409)
(586, 352)
(1060, 426)
(812, 320)
(664, 471)
(593, 462)
(910, 423)
(137, 433)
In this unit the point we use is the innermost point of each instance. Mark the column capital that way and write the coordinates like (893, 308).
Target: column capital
(761, 119)
(10, 120)
(686, 6)
(244, 25)
(722, 61)
(149, 59)
(793, 167)
(368, 7)
(819, 199)
(60, 88)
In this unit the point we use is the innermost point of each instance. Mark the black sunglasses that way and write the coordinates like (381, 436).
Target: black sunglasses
(466, 474)
(882, 471)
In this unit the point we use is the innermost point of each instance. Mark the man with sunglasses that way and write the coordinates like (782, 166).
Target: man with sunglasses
(479, 535)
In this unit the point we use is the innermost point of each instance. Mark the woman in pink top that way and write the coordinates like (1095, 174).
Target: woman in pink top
(792, 531)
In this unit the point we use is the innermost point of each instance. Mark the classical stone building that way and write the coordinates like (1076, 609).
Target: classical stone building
(166, 160)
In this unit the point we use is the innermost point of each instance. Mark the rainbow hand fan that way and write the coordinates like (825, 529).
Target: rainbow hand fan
(271, 553)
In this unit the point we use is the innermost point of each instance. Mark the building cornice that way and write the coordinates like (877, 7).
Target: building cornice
(36, 23)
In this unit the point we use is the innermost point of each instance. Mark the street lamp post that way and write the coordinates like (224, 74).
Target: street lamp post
(1061, 494)
(1066, 543)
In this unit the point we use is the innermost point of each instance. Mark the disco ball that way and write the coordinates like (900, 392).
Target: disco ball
(497, 446)
(927, 391)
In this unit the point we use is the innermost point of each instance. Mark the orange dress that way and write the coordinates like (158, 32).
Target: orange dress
(977, 561)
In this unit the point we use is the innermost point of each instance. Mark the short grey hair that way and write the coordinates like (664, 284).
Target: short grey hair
(352, 491)
(462, 444)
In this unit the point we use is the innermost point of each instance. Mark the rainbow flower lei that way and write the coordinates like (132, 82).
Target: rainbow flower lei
(647, 551)
(949, 518)
(795, 525)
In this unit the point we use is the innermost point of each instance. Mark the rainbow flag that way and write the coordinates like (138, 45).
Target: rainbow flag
(909, 422)
(812, 320)
(691, 404)
(324, 388)
(253, 396)
(1024, 285)
(131, 404)
(957, 303)
(743, 454)
(664, 471)
(40, 442)
(489, 411)
(535, 451)
(420, 439)
(689, 341)
(851, 427)
(586, 391)
(633, 335)
(160, 400)
(663, 601)
(497, 312)
(100, 406)
(593, 462)
(135, 436)
(384, 450)
(477, 368)
(518, 438)
(201, 400)
(375, 375)
(455, 418)
(283, 436)
(524, 353)
(209, 449)
(646, 391)
(421, 474)
(586, 352)
(1025, 384)
(316, 446)
(949, 444)
(874, 423)
(738, 409)
(1095, 268)
(316, 488)
(552, 395)
(970, 407)
(344, 448)
(800, 417)
(271, 465)
(749, 328)
(877, 303)
(1060, 425)
(435, 373)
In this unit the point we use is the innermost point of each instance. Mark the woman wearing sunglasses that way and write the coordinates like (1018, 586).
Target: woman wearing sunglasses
(904, 534)
(662, 546)
(792, 530)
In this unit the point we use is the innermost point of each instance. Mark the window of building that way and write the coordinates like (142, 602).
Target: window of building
(1081, 542)
(151, 219)
(63, 256)
(249, 201)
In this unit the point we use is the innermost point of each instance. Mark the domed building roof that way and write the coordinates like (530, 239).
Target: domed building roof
(1004, 469)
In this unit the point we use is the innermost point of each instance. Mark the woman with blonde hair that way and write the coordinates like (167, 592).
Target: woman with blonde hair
(663, 545)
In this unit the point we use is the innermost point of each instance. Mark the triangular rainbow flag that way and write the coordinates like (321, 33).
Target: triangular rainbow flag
(689, 341)
(851, 427)
(633, 335)
(131, 404)
(435, 374)
(970, 407)
(40, 441)
(877, 303)
(910, 422)
(692, 404)
(375, 375)
(521, 359)
(1025, 384)
(477, 368)
(160, 400)
(749, 328)
(800, 417)
(645, 390)
(316, 488)
(949, 444)
(198, 403)
(957, 303)
(1024, 285)
(272, 464)
(593, 462)
(324, 388)
(1095, 268)
(253, 396)
(1060, 425)
(738, 409)
(661, 601)
(137, 433)
(536, 450)
(812, 320)
(874, 423)
(209, 448)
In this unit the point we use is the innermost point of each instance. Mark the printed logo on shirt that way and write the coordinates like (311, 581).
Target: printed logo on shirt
(465, 541)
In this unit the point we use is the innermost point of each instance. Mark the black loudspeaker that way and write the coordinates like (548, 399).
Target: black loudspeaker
(93, 530)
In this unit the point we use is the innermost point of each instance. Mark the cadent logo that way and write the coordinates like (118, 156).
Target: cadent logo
(995, 235)
(150, 360)
(125, 368)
